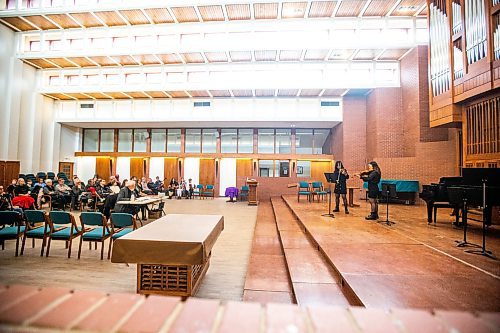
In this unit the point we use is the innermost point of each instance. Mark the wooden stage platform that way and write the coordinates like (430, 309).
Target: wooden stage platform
(54, 309)
(407, 265)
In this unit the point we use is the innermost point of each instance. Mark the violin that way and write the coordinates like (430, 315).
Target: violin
(363, 173)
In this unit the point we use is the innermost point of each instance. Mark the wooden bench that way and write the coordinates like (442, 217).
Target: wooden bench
(172, 253)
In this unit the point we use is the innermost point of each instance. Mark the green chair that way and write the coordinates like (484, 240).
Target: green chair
(10, 228)
(244, 192)
(59, 229)
(100, 233)
(209, 192)
(197, 192)
(304, 190)
(120, 226)
(42, 232)
(318, 190)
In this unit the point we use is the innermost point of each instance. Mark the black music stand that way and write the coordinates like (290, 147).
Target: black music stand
(483, 250)
(389, 192)
(458, 195)
(329, 180)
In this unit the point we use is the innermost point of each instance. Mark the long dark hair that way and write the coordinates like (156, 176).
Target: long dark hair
(375, 166)
(338, 165)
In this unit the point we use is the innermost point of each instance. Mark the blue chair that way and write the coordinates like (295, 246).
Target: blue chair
(318, 190)
(209, 192)
(59, 229)
(304, 190)
(100, 233)
(244, 192)
(42, 232)
(120, 226)
(198, 191)
(11, 228)
(51, 175)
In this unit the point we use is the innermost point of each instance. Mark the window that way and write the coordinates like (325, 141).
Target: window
(304, 141)
(266, 141)
(303, 169)
(266, 168)
(209, 140)
(107, 140)
(35, 46)
(158, 140)
(229, 140)
(174, 140)
(54, 80)
(283, 141)
(193, 140)
(282, 168)
(125, 140)
(90, 140)
(245, 141)
(140, 136)
(321, 142)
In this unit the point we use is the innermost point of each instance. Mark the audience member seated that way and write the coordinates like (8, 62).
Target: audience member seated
(114, 187)
(190, 189)
(139, 193)
(49, 190)
(144, 186)
(29, 183)
(89, 195)
(64, 192)
(37, 192)
(172, 188)
(5, 202)
(158, 184)
(22, 196)
(12, 187)
(76, 193)
(126, 194)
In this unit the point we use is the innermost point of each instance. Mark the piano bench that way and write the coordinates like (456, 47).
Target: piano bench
(443, 205)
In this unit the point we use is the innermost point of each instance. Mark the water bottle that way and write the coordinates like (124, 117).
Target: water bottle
(132, 197)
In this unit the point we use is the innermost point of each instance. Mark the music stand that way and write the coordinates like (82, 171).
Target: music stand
(329, 180)
(389, 192)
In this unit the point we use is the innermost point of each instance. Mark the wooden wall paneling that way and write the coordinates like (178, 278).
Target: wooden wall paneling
(137, 167)
(170, 169)
(318, 169)
(244, 167)
(103, 167)
(207, 171)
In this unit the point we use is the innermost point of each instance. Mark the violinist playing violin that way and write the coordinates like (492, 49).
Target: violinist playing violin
(340, 176)
(372, 176)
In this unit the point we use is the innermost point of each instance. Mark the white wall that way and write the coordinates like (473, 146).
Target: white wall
(227, 174)
(85, 168)
(123, 167)
(192, 169)
(28, 130)
(156, 167)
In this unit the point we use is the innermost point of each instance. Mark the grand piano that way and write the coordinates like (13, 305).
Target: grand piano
(436, 196)
(451, 191)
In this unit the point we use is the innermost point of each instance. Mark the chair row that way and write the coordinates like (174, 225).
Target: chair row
(43, 175)
(311, 190)
(60, 225)
(201, 191)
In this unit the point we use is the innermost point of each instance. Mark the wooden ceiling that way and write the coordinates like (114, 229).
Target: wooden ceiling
(292, 93)
(216, 57)
(216, 12)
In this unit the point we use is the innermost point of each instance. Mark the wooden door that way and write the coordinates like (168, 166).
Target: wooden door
(137, 167)
(67, 168)
(207, 171)
(170, 169)
(12, 169)
(3, 181)
(103, 167)
(244, 168)
(318, 169)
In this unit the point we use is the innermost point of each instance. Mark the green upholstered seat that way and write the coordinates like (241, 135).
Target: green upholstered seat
(95, 234)
(10, 232)
(121, 233)
(64, 234)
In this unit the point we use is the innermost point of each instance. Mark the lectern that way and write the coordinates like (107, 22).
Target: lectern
(252, 192)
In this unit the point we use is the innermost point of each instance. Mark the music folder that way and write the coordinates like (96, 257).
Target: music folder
(329, 177)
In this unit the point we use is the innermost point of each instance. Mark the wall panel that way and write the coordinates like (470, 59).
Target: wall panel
(244, 167)
(103, 167)
(137, 167)
(207, 171)
(170, 169)
(318, 169)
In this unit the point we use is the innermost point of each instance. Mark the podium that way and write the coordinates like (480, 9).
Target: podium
(252, 192)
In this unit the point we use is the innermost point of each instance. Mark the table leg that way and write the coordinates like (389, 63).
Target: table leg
(351, 198)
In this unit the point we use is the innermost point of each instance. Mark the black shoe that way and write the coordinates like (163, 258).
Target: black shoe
(371, 217)
(346, 211)
(336, 210)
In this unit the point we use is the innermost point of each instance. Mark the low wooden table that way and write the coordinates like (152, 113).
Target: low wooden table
(351, 196)
(172, 253)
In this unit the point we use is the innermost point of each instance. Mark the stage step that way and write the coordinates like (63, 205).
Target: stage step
(314, 281)
(267, 277)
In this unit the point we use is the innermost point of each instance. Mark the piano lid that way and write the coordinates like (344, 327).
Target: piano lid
(475, 176)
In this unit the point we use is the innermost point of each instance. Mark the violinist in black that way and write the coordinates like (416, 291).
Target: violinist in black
(340, 176)
(372, 177)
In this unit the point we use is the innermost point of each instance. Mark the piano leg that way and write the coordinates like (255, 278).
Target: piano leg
(430, 206)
